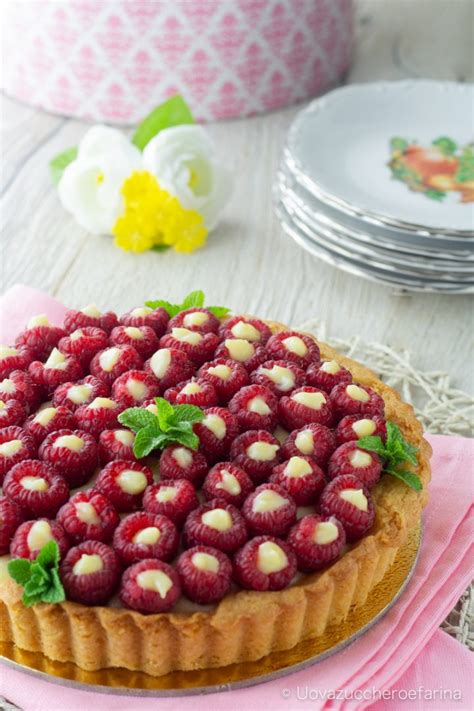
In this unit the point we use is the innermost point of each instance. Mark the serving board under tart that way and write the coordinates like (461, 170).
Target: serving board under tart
(311, 651)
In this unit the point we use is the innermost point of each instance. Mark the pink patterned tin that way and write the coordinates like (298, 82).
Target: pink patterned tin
(115, 61)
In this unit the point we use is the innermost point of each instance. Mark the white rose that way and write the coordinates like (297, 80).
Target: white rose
(90, 186)
(182, 159)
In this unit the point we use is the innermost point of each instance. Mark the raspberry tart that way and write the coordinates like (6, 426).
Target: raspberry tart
(209, 488)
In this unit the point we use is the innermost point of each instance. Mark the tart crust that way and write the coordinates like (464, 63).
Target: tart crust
(245, 626)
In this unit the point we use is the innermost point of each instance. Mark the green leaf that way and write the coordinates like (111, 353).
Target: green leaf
(218, 311)
(160, 247)
(437, 195)
(465, 169)
(165, 413)
(187, 439)
(48, 556)
(195, 299)
(135, 418)
(58, 165)
(372, 444)
(172, 309)
(446, 145)
(409, 478)
(146, 441)
(188, 413)
(30, 600)
(20, 570)
(398, 144)
(173, 112)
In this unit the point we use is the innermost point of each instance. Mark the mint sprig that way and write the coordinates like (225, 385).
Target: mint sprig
(173, 424)
(195, 299)
(394, 452)
(39, 578)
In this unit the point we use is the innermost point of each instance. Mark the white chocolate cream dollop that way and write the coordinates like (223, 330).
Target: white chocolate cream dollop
(271, 558)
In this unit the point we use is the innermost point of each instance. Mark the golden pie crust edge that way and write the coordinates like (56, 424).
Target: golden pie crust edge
(247, 625)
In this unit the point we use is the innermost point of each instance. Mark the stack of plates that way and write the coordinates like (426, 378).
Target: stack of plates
(378, 180)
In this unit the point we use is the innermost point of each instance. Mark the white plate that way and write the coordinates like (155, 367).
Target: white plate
(341, 143)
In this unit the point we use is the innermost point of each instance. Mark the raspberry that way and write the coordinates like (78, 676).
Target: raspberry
(142, 338)
(327, 375)
(353, 427)
(205, 574)
(12, 413)
(216, 433)
(19, 386)
(88, 515)
(144, 535)
(15, 446)
(178, 462)
(108, 364)
(116, 444)
(227, 482)
(356, 400)
(10, 518)
(73, 453)
(346, 498)
(313, 440)
(250, 355)
(227, 377)
(132, 389)
(84, 343)
(48, 420)
(269, 510)
(250, 329)
(123, 483)
(90, 573)
(303, 406)
(40, 339)
(36, 488)
(31, 536)
(317, 541)
(281, 377)
(196, 391)
(89, 317)
(302, 479)
(196, 319)
(156, 319)
(199, 347)
(215, 524)
(13, 359)
(293, 346)
(58, 369)
(255, 408)
(265, 563)
(169, 366)
(73, 395)
(257, 452)
(99, 415)
(150, 586)
(350, 459)
(173, 498)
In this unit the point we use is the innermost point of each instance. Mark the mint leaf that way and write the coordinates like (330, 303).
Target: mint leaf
(446, 145)
(172, 309)
(165, 413)
(412, 480)
(372, 444)
(58, 165)
(48, 555)
(20, 570)
(195, 299)
(218, 311)
(135, 418)
(173, 112)
(187, 439)
(188, 413)
(147, 440)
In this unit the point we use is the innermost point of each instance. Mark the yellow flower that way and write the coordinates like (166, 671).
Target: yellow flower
(153, 217)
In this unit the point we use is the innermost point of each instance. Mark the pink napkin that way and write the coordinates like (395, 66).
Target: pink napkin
(403, 652)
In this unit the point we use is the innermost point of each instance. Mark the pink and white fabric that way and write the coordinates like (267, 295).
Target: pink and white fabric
(115, 61)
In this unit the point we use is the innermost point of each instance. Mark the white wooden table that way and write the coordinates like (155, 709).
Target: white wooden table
(248, 264)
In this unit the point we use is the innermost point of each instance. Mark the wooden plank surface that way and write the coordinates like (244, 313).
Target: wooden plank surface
(248, 263)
